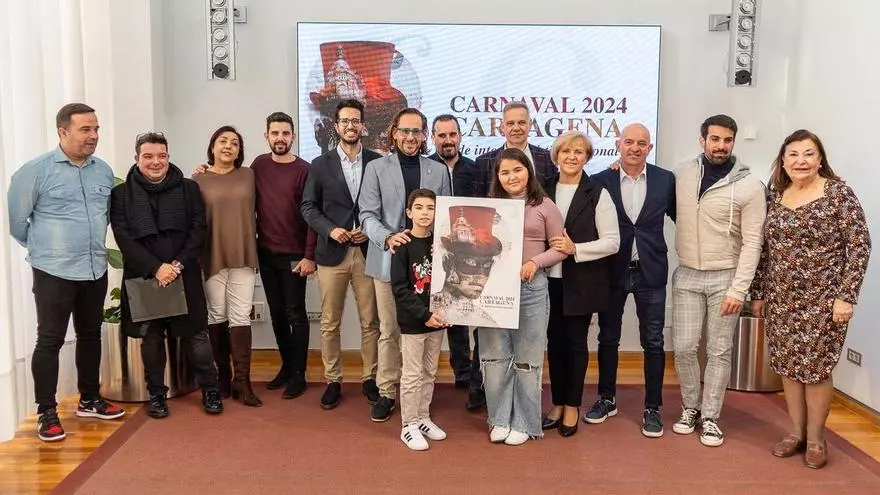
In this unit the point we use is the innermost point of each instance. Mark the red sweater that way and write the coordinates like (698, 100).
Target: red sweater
(280, 225)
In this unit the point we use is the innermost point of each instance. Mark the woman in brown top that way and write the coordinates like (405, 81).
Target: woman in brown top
(815, 255)
(230, 260)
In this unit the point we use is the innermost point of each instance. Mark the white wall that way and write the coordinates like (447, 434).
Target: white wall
(835, 94)
(693, 78)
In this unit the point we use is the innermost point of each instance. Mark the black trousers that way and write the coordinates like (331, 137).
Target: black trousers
(286, 295)
(198, 347)
(56, 299)
(566, 350)
(651, 310)
(466, 369)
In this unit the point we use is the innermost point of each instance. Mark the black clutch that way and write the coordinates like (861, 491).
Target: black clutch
(147, 300)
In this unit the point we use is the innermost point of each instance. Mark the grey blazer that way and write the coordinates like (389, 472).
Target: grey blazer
(382, 203)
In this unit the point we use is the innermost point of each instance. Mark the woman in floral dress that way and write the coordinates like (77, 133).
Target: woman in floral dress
(815, 255)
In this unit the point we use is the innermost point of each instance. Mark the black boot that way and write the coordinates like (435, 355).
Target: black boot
(211, 401)
(241, 339)
(296, 386)
(220, 346)
(284, 374)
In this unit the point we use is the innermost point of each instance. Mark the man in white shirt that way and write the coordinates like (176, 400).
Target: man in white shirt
(643, 194)
(330, 207)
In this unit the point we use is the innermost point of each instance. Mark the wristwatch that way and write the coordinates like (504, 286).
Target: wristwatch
(177, 265)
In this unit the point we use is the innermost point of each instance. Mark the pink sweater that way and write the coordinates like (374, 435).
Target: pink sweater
(541, 223)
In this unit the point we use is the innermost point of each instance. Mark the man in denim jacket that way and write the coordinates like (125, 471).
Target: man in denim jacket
(58, 205)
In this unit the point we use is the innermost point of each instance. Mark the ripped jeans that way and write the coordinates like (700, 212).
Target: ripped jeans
(512, 360)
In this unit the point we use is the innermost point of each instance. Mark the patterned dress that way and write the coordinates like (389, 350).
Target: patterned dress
(812, 255)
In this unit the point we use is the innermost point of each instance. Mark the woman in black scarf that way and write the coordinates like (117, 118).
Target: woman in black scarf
(158, 220)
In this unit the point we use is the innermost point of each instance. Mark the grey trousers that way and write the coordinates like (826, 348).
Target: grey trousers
(696, 303)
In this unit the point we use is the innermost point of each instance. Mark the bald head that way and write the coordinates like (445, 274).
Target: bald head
(634, 145)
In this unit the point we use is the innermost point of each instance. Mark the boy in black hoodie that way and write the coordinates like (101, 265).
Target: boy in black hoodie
(421, 331)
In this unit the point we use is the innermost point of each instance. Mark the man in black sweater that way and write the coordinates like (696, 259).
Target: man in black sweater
(446, 134)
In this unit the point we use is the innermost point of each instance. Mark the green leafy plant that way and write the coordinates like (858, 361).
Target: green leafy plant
(113, 313)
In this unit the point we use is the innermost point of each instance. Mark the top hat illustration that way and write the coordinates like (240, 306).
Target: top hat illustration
(359, 70)
(470, 231)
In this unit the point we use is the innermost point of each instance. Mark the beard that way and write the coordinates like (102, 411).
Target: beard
(349, 141)
(281, 148)
(447, 152)
(717, 159)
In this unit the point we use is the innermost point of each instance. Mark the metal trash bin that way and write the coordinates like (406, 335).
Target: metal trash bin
(122, 369)
(750, 358)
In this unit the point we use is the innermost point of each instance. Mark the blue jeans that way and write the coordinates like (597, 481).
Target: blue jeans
(651, 310)
(512, 362)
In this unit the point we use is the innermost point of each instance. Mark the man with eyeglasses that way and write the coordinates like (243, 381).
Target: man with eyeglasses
(330, 207)
(58, 206)
(446, 134)
(387, 182)
(515, 126)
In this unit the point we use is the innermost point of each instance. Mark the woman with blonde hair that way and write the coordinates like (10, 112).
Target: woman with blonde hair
(580, 285)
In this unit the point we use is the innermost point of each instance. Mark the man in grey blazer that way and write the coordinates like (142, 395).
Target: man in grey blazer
(387, 183)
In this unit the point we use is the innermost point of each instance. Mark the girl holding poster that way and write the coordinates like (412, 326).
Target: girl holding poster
(512, 358)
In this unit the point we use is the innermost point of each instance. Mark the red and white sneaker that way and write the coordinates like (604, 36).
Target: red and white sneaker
(98, 408)
(49, 426)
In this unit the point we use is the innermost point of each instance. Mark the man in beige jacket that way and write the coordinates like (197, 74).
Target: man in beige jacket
(719, 232)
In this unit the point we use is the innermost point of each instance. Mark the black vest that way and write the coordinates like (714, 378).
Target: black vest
(585, 286)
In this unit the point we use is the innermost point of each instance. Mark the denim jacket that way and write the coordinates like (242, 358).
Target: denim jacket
(58, 211)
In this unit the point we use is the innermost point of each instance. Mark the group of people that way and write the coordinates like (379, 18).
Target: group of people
(799, 251)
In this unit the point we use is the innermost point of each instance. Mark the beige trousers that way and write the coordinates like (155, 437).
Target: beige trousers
(420, 355)
(334, 282)
(389, 341)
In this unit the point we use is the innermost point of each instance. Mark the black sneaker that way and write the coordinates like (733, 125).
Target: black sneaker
(652, 425)
(296, 386)
(332, 395)
(49, 426)
(158, 408)
(687, 422)
(601, 410)
(476, 399)
(710, 433)
(382, 409)
(211, 402)
(370, 391)
(98, 408)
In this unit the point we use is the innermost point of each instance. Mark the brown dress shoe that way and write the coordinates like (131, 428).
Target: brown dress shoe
(817, 455)
(789, 446)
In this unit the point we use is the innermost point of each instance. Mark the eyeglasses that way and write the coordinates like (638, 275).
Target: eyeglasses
(345, 122)
(411, 132)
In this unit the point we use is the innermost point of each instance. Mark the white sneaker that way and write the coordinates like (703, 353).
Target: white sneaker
(516, 438)
(431, 430)
(499, 434)
(413, 438)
